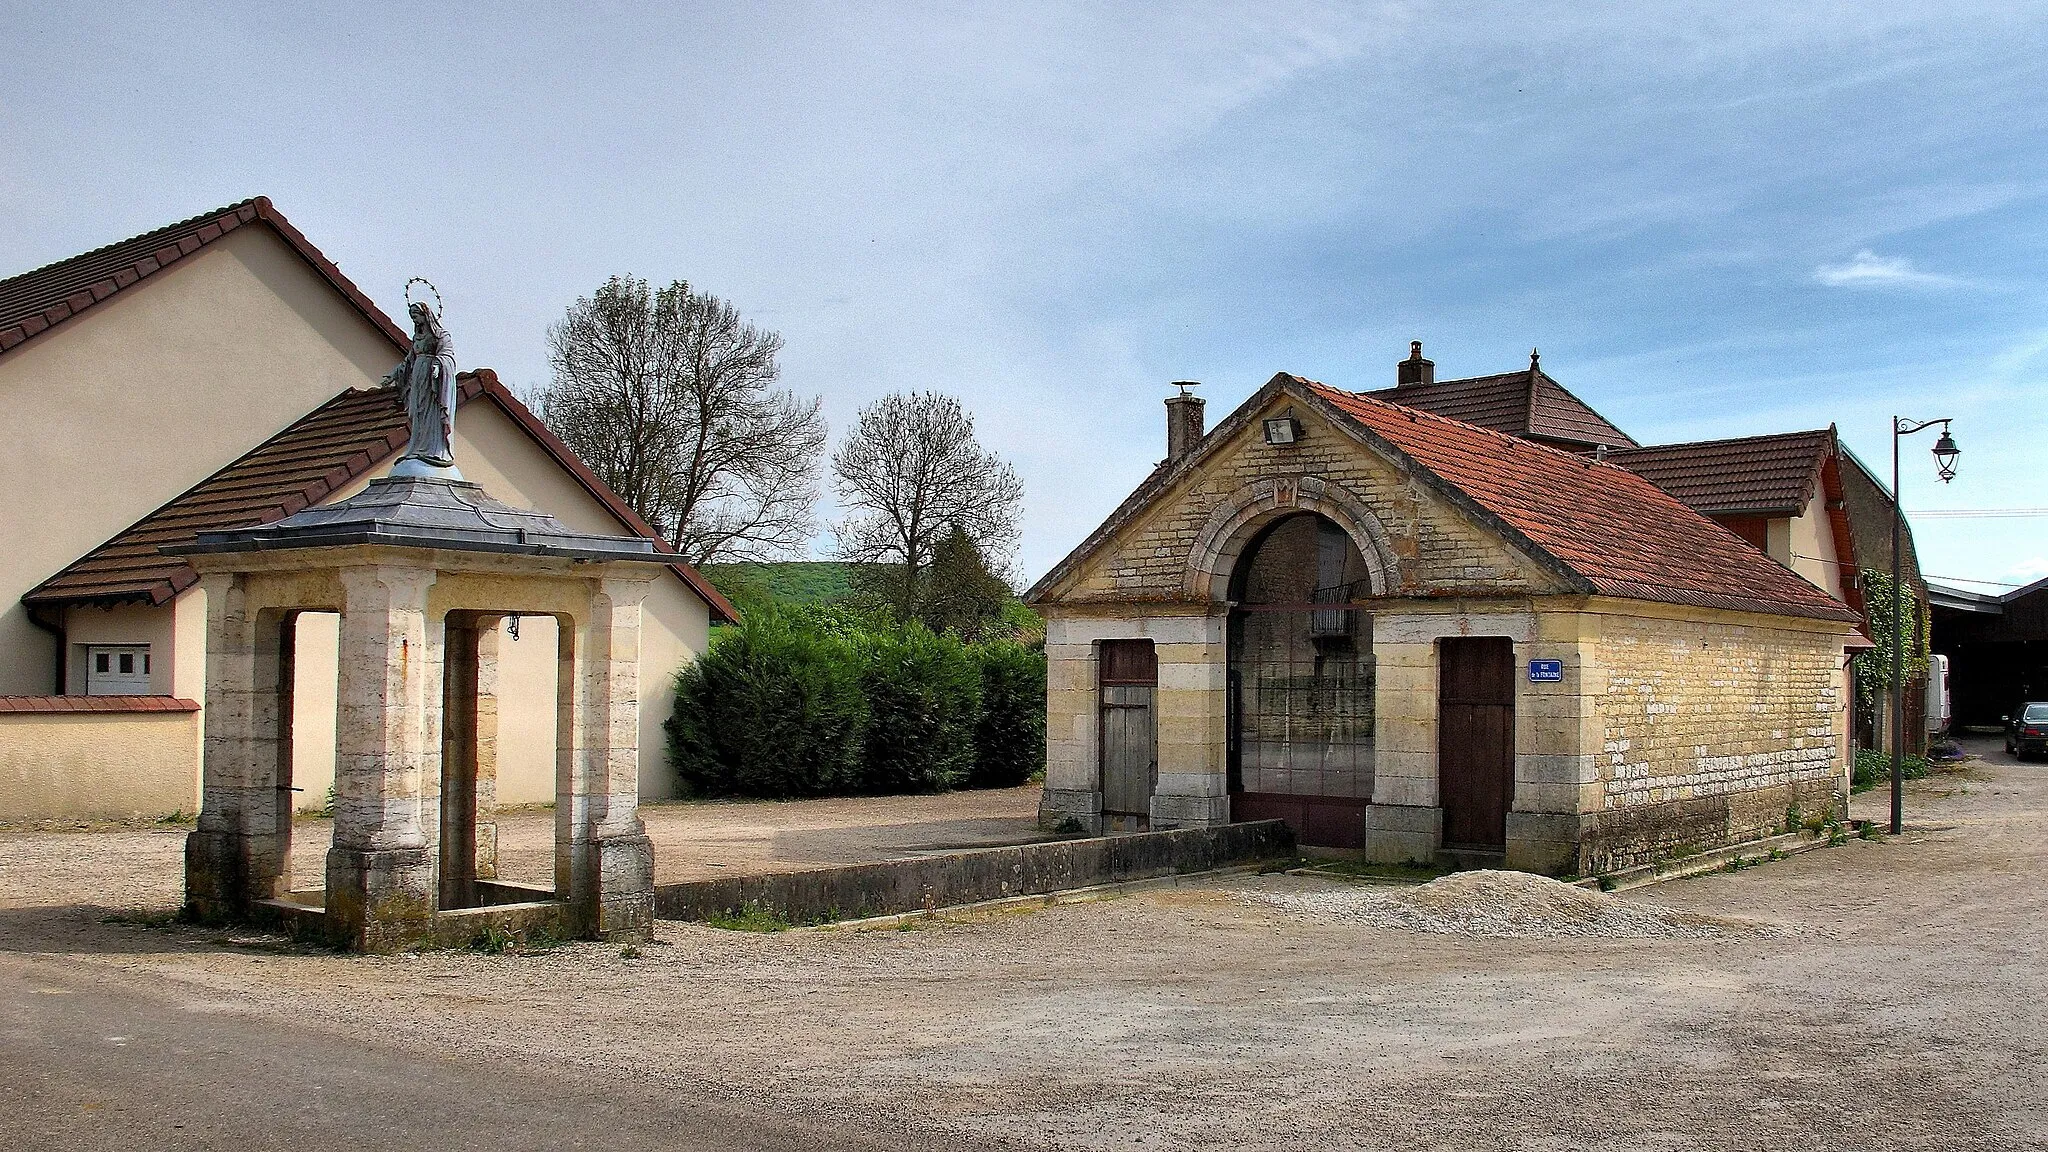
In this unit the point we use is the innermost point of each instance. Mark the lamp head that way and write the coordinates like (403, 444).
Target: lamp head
(1945, 453)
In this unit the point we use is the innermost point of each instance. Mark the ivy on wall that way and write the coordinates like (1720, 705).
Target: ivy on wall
(1874, 665)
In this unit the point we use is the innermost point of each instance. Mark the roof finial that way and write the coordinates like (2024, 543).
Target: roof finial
(1535, 358)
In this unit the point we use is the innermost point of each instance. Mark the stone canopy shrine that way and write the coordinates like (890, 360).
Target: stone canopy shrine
(421, 567)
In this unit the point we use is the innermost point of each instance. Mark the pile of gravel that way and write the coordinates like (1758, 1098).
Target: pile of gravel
(1511, 905)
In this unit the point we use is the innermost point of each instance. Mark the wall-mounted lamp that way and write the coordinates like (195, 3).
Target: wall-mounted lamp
(1283, 430)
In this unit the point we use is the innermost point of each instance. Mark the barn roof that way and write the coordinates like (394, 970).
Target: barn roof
(1754, 475)
(36, 301)
(1527, 403)
(308, 462)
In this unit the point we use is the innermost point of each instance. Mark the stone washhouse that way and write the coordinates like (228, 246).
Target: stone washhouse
(420, 568)
(1417, 638)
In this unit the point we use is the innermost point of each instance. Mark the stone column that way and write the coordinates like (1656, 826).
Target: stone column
(239, 852)
(604, 862)
(1192, 702)
(490, 635)
(1073, 787)
(381, 872)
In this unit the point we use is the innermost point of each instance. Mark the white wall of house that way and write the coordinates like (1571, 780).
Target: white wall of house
(114, 412)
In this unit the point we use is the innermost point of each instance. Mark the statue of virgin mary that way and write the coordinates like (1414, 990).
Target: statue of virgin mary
(426, 379)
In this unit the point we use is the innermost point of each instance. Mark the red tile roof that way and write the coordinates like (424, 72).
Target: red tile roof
(49, 704)
(1619, 533)
(1757, 475)
(1527, 403)
(303, 465)
(36, 301)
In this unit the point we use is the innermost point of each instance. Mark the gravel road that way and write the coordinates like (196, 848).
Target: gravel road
(1893, 997)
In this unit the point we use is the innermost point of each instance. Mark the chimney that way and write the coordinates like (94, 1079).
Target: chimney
(1183, 420)
(1415, 370)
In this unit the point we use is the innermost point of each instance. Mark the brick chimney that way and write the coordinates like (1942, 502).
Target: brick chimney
(1415, 370)
(1183, 420)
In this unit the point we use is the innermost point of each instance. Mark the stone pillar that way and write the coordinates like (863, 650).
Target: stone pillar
(1073, 786)
(1193, 789)
(381, 871)
(239, 852)
(1403, 823)
(489, 636)
(604, 862)
(1558, 738)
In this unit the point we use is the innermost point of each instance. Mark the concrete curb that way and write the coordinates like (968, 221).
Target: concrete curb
(1086, 895)
(1786, 844)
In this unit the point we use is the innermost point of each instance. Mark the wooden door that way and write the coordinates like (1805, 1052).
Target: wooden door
(1129, 676)
(1475, 742)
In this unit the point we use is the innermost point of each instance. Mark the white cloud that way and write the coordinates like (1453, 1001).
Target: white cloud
(1869, 270)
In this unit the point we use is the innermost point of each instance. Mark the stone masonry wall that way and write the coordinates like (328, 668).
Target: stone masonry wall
(1438, 548)
(1709, 733)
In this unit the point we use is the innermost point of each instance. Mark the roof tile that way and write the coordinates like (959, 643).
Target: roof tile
(1624, 535)
(1752, 474)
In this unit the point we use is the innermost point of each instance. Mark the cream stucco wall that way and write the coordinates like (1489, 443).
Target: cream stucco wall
(113, 413)
(1810, 538)
(98, 765)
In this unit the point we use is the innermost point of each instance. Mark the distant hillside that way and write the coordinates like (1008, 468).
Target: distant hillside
(782, 582)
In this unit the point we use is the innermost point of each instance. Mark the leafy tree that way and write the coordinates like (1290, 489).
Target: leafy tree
(668, 396)
(910, 474)
(959, 593)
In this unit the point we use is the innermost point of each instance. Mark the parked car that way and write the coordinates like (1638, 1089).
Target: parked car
(2026, 733)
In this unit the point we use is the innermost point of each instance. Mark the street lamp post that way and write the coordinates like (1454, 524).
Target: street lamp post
(1945, 453)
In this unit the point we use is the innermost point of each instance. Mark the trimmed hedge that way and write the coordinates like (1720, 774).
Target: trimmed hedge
(1009, 737)
(773, 709)
(807, 703)
(923, 696)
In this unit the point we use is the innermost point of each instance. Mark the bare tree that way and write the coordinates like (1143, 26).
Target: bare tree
(910, 473)
(668, 396)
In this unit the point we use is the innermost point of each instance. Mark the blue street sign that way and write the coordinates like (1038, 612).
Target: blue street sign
(1546, 671)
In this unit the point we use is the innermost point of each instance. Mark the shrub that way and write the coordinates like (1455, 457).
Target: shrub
(1009, 739)
(773, 709)
(1874, 767)
(923, 697)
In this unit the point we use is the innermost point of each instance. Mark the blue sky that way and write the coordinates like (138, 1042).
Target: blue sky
(1754, 219)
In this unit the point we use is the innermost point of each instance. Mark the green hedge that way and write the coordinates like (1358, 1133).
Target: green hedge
(817, 703)
(1874, 768)
(773, 709)
(1009, 737)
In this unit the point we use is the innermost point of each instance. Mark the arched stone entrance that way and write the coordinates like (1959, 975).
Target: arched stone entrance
(1300, 679)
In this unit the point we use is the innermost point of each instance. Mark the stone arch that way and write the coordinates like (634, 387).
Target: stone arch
(1239, 517)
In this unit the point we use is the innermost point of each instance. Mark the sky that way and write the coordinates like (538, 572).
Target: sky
(1723, 220)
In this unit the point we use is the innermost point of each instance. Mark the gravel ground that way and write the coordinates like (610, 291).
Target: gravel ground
(142, 866)
(1502, 906)
(1907, 1006)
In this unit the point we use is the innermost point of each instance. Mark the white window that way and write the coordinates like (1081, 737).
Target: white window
(117, 670)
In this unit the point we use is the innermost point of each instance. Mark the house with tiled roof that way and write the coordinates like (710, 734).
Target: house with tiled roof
(215, 373)
(1426, 638)
(1802, 498)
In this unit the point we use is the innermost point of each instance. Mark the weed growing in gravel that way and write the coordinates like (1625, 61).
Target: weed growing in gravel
(754, 917)
(1068, 826)
(1609, 883)
(497, 941)
(175, 817)
(1413, 870)
(1866, 831)
(1776, 854)
(629, 953)
(1738, 863)
(1792, 817)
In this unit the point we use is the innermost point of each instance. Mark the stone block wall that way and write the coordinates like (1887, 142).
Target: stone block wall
(1188, 705)
(1708, 732)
